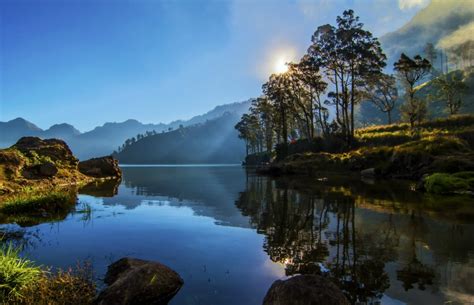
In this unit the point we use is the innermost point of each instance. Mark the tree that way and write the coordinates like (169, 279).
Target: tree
(349, 55)
(382, 91)
(244, 131)
(451, 89)
(307, 74)
(411, 72)
(277, 89)
(263, 108)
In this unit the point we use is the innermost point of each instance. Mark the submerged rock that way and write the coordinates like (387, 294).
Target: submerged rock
(134, 281)
(102, 167)
(369, 172)
(305, 290)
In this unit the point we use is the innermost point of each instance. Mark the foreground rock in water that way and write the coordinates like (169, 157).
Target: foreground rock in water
(134, 281)
(305, 290)
(100, 167)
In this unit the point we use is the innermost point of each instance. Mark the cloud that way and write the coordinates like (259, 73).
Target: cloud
(457, 37)
(409, 4)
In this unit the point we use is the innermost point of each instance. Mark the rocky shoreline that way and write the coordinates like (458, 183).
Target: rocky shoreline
(36, 165)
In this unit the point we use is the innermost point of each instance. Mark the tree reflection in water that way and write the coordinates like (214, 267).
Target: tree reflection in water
(329, 229)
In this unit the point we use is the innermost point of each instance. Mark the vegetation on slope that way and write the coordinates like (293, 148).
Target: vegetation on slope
(443, 145)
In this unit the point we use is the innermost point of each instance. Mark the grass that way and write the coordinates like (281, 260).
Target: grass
(16, 273)
(33, 203)
(22, 282)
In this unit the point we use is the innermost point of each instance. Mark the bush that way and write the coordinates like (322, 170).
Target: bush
(258, 158)
(440, 183)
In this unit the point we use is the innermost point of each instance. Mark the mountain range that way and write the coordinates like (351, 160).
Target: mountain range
(103, 140)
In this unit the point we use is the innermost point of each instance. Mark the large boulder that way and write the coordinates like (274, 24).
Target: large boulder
(103, 167)
(52, 149)
(134, 281)
(305, 290)
(38, 171)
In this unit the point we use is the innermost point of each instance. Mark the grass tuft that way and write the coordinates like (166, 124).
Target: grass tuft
(16, 273)
(22, 282)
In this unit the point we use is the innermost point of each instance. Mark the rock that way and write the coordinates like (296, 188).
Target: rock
(420, 185)
(39, 171)
(133, 281)
(54, 149)
(369, 172)
(47, 169)
(305, 290)
(104, 167)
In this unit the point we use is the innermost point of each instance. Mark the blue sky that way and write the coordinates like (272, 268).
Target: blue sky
(92, 61)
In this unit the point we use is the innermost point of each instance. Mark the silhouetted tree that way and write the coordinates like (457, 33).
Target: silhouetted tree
(349, 55)
(382, 91)
(411, 72)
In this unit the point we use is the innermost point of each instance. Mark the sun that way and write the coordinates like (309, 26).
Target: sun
(280, 65)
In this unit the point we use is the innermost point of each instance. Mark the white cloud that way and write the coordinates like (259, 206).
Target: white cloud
(409, 4)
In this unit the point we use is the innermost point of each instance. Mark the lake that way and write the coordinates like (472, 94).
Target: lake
(230, 233)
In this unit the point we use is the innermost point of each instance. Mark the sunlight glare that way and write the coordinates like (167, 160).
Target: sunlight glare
(280, 65)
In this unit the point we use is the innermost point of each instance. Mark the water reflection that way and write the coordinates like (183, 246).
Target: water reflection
(370, 239)
(230, 234)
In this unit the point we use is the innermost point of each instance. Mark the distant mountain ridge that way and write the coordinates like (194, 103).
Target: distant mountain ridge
(103, 140)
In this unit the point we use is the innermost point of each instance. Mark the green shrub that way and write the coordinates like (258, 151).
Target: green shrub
(440, 183)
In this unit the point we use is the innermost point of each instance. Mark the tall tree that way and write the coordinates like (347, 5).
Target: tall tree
(350, 55)
(308, 72)
(277, 89)
(411, 72)
(382, 91)
(264, 109)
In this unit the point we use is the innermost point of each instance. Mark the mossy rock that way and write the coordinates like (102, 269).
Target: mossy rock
(442, 183)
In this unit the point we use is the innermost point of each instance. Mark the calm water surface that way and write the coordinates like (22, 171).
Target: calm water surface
(230, 234)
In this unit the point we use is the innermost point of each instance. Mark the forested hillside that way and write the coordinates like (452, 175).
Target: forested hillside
(215, 141)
